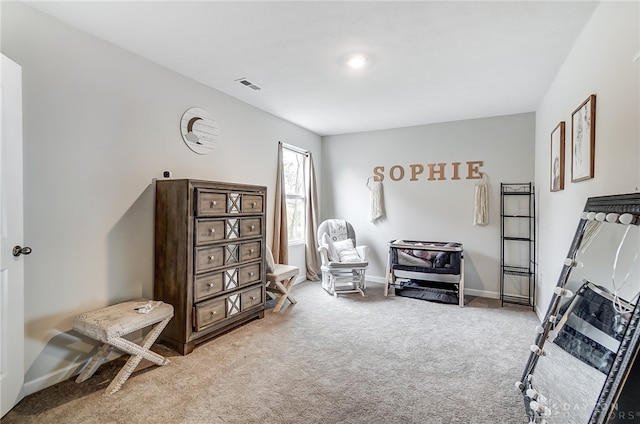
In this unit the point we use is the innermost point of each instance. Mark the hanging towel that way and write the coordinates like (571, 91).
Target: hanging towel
(481, 210)
(376, 210)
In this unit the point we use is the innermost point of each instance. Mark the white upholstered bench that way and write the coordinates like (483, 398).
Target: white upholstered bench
(110, 324)
(280, 281)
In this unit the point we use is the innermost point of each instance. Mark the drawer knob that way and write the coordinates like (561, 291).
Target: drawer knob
(214, 203)
(253, 204)
(210, 284)
(211, 258)
(253, 298)
(214, 312)
(253, 227)
(252, 250)
(251, 274)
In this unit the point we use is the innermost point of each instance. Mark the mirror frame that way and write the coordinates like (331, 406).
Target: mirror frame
(629, 347)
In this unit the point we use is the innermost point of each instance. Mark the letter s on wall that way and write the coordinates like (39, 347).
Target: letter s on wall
(378, 171)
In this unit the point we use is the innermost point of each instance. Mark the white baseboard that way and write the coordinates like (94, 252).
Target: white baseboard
(482, 293)
(62, 374)
(50, 379)
(380, 280)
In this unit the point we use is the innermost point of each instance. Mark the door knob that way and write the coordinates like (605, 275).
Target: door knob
(19, 250)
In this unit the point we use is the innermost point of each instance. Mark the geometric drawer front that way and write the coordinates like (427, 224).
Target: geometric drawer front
(232, 228)
(208, 313)
(205, 286)
(250, 251)
(249, 274)
(233, 304)
(251, 204)
(211, 203)
(233, 203)
(212, 230)
(251, 298)
(250, 227)
(209, 230)
(231, 254)
(208, 258)
(231, 279)
(214, 283)
(215, 203)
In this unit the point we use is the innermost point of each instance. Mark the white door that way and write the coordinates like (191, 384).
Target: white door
(11, 266)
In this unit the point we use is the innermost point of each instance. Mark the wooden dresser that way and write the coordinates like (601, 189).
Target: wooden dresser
(209, 257)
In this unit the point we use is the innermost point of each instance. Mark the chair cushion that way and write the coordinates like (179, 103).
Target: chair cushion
(282, 271)
(332, 253)
(346, 251)
(111, 322)
(270, 262)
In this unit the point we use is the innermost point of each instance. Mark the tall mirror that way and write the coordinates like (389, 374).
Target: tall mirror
(588, 341)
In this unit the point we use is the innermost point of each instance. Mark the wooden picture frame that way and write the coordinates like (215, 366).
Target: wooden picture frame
(583, 140)
(557, 158)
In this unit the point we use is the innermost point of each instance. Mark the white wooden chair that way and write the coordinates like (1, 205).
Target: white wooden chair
(280, 280)
(343, 262)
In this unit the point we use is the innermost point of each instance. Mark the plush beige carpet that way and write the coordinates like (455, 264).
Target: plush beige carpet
(350, 359)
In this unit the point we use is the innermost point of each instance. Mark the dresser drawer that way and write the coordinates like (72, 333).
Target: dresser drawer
(250, 227)
(211, 203)
(208, 230)
(241, 252)
(208, 258)
(250, 251)
(208, 313)
(208, 285)
(251, 203)
(212, 230)
(251, 298)
(248, 274)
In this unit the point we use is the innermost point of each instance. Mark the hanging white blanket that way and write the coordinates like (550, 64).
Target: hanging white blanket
(481, 210)
(376, 209)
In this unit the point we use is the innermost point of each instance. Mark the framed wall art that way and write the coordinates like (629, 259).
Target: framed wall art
(557, 157)
(200, 130)
(583, 140)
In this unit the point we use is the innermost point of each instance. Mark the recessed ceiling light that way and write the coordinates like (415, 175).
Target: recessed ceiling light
(356, 61)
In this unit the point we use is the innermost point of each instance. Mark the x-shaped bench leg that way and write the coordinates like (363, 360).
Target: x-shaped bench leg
(138, 352)
(284, 288)
(95, 362)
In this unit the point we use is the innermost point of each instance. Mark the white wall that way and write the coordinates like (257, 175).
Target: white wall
(423, 209)
(600, 63)
(99, 125)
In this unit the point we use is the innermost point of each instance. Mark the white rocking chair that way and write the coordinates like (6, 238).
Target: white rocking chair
(343, 262)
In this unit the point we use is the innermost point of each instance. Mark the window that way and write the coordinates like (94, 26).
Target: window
(293, 162)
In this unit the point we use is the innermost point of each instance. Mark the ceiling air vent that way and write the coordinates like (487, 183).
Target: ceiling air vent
(248, 83)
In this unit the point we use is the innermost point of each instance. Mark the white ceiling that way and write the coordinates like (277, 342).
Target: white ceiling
(431, 61)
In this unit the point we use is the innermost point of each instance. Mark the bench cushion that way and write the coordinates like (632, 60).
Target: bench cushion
(111, 322)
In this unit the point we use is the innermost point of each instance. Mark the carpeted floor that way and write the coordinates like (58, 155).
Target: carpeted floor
(350, 359)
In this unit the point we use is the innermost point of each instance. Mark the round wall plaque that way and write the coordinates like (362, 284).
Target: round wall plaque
(199, 130)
